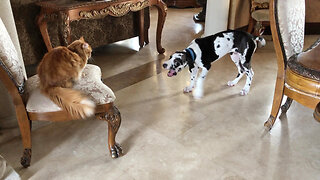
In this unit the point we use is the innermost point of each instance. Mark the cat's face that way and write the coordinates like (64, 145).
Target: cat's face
(81, 47)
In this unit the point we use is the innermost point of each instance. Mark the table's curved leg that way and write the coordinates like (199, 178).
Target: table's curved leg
(141, 28)
(146, 31)
(42, 23)
(162, 13)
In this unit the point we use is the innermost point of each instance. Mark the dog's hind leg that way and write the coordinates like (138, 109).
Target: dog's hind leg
(246, 88)
(245, 63)
(236, 59)
(198, 91)
(194, 72)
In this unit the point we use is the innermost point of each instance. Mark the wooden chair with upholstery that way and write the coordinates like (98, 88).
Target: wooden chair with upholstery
(30, 105)
(298, 74)
(259, 16)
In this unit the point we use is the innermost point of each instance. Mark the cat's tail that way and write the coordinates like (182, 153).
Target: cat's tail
(72, 101)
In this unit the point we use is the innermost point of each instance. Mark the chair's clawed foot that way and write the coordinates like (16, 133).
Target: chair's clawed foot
(269, 123)
(26, 158)
(286, 105)
(116, 151)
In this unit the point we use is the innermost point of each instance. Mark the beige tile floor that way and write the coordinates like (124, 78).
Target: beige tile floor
(165, 134)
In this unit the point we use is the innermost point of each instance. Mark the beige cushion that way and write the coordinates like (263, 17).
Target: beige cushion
(9, 58)
(89, 84)
(260, 15)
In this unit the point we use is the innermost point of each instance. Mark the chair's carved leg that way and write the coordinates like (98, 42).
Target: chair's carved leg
(286, 106)
(258, 29)
(113, 118)
(277, 99)
(26, 158)
(25, 130)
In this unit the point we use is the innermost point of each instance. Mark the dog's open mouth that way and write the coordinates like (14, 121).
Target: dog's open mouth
(172, 73)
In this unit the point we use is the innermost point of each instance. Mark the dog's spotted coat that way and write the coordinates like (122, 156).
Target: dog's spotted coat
(203, 51)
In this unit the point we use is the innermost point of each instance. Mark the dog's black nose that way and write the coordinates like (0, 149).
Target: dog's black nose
(165, 65)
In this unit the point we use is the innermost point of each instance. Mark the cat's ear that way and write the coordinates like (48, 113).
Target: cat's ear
(85, 46)
(81, 39)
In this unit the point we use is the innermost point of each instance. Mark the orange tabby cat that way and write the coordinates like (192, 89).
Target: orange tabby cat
(58, 70)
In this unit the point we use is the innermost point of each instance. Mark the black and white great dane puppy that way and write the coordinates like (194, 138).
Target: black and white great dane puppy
(203, 51)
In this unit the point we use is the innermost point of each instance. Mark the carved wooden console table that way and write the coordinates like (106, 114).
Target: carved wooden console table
(72, 10)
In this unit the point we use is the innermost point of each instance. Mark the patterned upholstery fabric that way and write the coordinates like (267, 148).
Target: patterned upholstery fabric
(291, 20)
(89, 84)
(9, 59)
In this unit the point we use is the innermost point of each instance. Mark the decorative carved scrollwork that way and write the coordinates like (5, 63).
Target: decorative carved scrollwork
(255, 6)
(115, 10)
(114, 118)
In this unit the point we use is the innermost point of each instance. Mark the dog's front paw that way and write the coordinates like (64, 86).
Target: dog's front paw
(197, 94)
(187, 89)
(231, 83)
(244, 92)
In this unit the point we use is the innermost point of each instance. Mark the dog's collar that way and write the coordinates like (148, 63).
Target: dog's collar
(191, 52)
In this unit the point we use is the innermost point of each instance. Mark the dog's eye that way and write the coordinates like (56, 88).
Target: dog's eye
(176, 63)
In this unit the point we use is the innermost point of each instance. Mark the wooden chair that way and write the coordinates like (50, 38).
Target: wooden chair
(298, 74)
(259, 16)
(316, 113)
(30, 105)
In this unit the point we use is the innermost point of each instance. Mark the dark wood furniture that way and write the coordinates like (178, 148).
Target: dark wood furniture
(73, 10)
(298, 74)
(181, 3)
(316, 113)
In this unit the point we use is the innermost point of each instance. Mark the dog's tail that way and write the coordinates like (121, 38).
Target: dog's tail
(72, 101)
(260, 41)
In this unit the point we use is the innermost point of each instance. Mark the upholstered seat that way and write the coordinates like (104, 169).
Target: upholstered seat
(306, 63)
(90, 84)
(298, 75)
(260, 15)
(30, 105)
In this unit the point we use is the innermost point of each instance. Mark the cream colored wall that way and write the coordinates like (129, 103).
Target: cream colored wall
(216, 16)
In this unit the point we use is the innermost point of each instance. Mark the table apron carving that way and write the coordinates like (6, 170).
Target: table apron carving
(115, 10)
